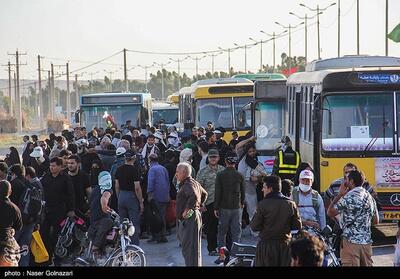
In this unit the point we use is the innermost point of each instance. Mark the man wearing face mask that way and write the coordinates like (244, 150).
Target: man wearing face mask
(287, 160)
(309, 202)
(86, 157)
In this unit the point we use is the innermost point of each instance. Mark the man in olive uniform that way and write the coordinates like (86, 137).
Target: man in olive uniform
(287, 160)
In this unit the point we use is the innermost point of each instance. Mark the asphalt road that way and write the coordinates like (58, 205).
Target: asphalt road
(169, 254)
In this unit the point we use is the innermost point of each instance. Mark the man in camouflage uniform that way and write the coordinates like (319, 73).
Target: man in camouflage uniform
(359, 211)
(206, 178)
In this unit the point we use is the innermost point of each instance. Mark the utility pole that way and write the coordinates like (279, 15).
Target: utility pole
(125, 73)
(10, 109)
(52, 95)
(245, 55)
(18, 111)
(290, 27)
(273, 36)
(40, 110)
(305, 18)
(68, 96)
(197, 64)
(259, 42)
(387, 29)
(76, 92)
(212, 60)
(338, 28)
(49, 94)
(145, 73)
(319, 11)
(179, 70)
(358, 27)
(162, 65)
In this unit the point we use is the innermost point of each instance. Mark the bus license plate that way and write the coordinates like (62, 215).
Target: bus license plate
(391, 215)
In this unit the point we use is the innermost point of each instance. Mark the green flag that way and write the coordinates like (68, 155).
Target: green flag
(395, 34)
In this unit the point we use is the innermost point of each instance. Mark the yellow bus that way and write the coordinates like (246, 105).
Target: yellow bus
(218, 101)
(173, 98)
(344, 110)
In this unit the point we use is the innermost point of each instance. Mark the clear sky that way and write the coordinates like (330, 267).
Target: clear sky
(89, 30)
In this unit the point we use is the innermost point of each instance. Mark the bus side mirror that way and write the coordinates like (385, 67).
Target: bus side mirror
(242, 118)
(77, 120)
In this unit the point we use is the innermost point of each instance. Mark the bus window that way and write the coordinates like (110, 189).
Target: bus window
(269, 124)
(358, 122)
(218, 111)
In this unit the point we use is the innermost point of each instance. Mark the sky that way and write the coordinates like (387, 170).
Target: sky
(86, 31)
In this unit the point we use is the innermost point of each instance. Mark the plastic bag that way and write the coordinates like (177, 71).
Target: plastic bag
(38, 249)
(396, 260)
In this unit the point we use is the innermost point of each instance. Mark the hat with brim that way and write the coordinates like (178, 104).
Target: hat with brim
(120, 151)
(37, 152)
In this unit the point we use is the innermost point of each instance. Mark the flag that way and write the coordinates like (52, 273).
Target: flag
(288, 72)
(395, 34)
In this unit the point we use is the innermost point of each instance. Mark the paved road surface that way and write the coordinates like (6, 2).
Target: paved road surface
(169, 254)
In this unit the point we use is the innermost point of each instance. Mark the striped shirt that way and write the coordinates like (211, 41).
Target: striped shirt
(333, 189)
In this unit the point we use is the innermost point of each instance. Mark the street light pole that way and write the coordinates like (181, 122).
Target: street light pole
(338, 38)
(290, 27)
(319, 11)
(387, 29)
(179, 69)
(245, 55)
(273, 36)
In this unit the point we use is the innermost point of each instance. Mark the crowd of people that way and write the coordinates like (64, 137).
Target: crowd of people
(210, 187)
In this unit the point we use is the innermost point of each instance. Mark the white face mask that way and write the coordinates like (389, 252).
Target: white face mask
(304, 187)
(284, 147)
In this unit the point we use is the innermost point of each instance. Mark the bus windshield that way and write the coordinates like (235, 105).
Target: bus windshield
(269, 124)
(96, 116)
(170, 116)
(218, 111)
(358, 122)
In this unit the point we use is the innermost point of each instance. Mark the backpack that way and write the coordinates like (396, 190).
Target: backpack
(295, 197)
(32, 203)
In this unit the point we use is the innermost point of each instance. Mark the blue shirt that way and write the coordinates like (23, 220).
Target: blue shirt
(158, 183)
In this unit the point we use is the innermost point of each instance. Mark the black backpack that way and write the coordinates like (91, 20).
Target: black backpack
(32, 204)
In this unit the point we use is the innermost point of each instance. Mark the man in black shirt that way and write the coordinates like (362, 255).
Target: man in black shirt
(81, 183)
(18, 183)
(10, 221)
(59, 196)
(130, 199)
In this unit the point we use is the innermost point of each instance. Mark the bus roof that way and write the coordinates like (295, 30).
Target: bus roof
(318, 70)
(163, 105)
(261, 76)
(104, 94)
(353, 61)
(221, 81)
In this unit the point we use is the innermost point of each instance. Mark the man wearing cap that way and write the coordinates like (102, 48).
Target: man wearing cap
(206, 177)
(309, 201)
(158, 189)
(235, 140)
(129, 192)
(286, 160)
(39, 161)
(229, 200)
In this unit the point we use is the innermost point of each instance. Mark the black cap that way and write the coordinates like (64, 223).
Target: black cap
(129, 154)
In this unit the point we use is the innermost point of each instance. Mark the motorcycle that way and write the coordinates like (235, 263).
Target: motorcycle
(239, 255)
(119, 250)
(329, 238)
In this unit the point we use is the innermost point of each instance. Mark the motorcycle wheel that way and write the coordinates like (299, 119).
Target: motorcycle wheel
(134, 257)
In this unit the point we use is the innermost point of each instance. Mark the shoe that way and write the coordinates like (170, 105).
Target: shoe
(162, 240)
(213, 253)
(218, 261)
